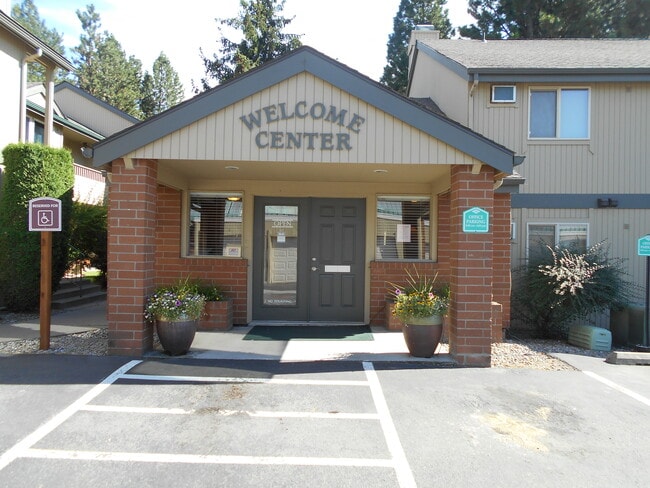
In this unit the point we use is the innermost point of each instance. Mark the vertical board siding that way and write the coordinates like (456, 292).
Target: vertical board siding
(223, 136)
(613, 160)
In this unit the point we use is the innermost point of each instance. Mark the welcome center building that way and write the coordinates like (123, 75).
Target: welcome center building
(303, 188)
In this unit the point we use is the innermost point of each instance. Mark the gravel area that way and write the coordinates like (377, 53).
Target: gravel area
(527, 354)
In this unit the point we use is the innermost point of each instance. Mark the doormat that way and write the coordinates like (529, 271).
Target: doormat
(309, 333)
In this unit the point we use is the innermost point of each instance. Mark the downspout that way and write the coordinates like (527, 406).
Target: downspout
(470, 101)
(22, 132)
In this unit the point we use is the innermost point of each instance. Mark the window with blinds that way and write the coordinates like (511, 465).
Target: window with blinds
(403, 228)
(215, 224)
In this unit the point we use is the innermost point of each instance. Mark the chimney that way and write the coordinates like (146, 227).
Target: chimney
(422, 32)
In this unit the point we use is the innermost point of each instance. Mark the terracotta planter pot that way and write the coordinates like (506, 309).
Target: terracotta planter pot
(217, 316)
(176, 336)
(422, 335)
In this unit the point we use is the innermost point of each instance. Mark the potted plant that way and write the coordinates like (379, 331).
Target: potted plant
(217, 314)
(420, 306)
(176, 310)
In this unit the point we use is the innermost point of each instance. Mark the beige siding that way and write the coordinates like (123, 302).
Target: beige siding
(10, 55)
(381, 139)
(447, 89)
(90, 113)
(613, 160)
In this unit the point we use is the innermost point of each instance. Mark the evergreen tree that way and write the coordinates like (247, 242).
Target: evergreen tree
(263, 39)
(162, 89)
(538, 19)
(409, 14)
(26, 14)
(103, 69)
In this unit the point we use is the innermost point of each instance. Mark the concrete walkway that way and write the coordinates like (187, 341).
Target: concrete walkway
(71, 321)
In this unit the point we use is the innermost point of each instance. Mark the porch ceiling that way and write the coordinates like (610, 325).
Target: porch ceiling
(302, 171)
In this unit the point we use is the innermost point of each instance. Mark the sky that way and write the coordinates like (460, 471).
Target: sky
(354, 32)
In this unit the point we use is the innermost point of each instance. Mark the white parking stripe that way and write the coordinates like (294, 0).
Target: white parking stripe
(223, 379)
(162, 411)
(402, 468)
(228, 413)
(20, 449)
(617, 387)
(145, 457)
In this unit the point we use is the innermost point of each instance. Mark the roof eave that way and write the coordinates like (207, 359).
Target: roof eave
(30, 39)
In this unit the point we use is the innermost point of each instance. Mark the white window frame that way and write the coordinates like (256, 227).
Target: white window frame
(558, 111)
(514, 94)
(557, 234)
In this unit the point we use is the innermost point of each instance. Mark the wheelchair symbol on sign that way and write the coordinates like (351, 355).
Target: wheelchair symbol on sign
(45, 217)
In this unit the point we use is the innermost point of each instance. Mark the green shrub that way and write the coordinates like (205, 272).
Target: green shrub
(88, 237)
(563, 285)
(31, 171)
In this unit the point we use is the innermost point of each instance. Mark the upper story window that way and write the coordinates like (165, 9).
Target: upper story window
(403, 228)
(215, 224)
(503, 94)
(561, 113)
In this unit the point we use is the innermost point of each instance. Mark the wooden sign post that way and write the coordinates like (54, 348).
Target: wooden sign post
(45, 217)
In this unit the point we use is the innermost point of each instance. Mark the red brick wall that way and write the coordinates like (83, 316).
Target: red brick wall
(131, 250)
(229, 274)
(471, 269)
(501, 285)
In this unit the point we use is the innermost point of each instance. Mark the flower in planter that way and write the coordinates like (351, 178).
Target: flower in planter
(419, 297)
(176, 302)
(212, 293)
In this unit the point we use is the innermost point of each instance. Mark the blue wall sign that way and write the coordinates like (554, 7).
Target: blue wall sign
(476, 220)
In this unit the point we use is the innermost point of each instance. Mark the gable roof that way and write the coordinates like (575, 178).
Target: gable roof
(306, 59)
(543, 59)
(90, 111)
(34, 42)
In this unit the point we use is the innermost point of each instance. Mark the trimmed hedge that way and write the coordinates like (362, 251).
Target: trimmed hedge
(31, 171)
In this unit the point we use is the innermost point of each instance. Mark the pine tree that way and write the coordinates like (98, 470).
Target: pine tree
(103, 69)
(263, 39)
(409, 14)
(26, 14)
(541, 19)
(162, 89)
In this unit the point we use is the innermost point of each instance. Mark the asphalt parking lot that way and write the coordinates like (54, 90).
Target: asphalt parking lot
(78, 421)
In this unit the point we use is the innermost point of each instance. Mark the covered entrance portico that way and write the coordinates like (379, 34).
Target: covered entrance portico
(303, 188)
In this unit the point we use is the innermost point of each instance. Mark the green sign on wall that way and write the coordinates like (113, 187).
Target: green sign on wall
(644, 246)
(476, 220)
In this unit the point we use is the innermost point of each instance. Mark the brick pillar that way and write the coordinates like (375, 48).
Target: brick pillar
(131, 255)
(471, 268)
(501, 284)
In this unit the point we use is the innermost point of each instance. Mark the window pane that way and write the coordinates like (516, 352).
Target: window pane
(573, 236)
(574, 114)
(215, 225)
(542, 113)
(539, 237)
(403, 228)
(280, 255)
(503, 93)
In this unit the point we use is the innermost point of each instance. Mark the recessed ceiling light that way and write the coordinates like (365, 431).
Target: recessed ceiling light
(232, 168)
